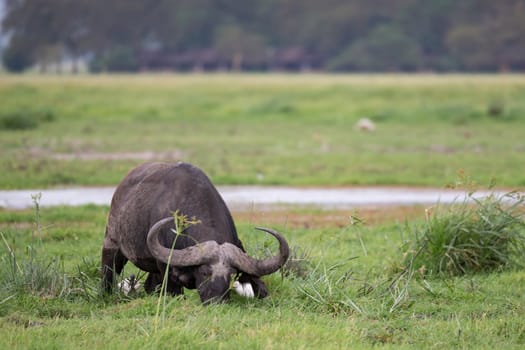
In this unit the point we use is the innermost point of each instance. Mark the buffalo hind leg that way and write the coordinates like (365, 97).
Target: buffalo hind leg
(113, 261)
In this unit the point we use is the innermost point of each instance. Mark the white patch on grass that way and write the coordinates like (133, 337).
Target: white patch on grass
(243, 289)
(365, 124)
(129, 285)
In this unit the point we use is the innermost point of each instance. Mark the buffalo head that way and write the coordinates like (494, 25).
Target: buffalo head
(208, 266)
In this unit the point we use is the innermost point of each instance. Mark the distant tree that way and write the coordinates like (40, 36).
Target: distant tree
(468, 44)
(117, 59)
(180, 24)
(330, 34)
(17, 56)
(38, 25)
(428, 22)
(386, 48)
(48, 55)
(241, 48)
(489, 35)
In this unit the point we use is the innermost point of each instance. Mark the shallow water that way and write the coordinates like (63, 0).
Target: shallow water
(252, 197)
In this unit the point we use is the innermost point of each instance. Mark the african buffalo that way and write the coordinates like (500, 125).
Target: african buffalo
(204, 257)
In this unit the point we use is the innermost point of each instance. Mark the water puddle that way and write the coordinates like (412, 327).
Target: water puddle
(252, 197)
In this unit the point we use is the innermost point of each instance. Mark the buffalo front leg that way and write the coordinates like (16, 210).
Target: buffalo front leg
(153, 282)
(155, 279)
(113, 261)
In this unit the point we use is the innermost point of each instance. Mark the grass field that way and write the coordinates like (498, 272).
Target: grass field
(348, 284)
(276, 129)
(346, 293)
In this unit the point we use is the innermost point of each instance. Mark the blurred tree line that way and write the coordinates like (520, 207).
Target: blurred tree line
(330, 35)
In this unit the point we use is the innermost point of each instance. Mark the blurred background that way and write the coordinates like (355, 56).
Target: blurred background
(269, 35)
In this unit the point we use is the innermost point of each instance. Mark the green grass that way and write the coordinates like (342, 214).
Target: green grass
(344, 288)
(266, 129)
(340, 292)
(476, 235)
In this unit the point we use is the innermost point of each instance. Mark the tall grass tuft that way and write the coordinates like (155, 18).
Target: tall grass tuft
(31, 274)
(182, 222)
(326, 289)
(474, 235)
(24, 119)
(297, 264)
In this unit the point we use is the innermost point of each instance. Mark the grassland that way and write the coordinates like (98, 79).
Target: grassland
(347, 286)
(276, 129)
(346, 295)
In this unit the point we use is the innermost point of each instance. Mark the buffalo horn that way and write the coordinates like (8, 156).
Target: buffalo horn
(245, 263)
(194, 255)
(210, 251)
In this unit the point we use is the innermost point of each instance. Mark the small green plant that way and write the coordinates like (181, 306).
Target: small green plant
(328, 289)
(495, 109)
(17, 121)
(182, 222)
(87, 281)
(274, 105)
(297, 264)
(36, 202)
(31, 274)
(475, 235)
(36, 274)
(25, 119)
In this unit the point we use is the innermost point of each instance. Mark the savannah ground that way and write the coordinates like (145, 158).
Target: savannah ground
(344, 288)
(264, 129)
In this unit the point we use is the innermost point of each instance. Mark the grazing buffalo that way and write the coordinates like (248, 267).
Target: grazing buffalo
(206, 254)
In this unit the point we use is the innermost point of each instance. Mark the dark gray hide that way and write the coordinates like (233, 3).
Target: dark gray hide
(139, 230)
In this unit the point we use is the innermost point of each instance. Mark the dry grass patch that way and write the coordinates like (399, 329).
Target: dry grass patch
(315, 219)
